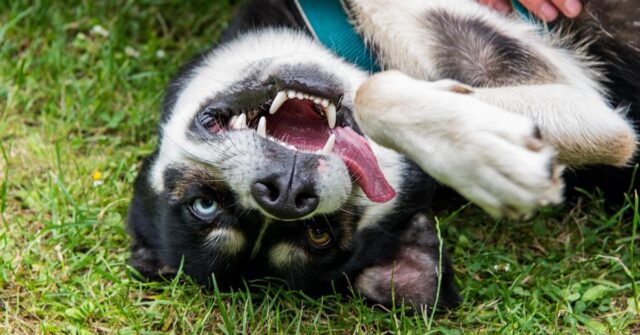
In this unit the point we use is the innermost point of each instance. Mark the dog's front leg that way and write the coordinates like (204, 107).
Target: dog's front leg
(492, 157)
(581, 127)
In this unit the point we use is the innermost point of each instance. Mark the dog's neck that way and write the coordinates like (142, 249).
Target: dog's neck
(329, 23)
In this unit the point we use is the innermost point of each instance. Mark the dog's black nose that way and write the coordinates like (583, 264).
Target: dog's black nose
(285, 196)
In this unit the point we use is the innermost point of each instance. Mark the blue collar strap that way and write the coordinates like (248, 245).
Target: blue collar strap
(525, 14)
(329, 23)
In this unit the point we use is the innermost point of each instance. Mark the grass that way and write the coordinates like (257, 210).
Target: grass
(78, 111)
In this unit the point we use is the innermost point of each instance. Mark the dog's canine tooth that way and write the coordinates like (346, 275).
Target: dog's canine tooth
(330, 111)
(288, 146)
(262, 127)
(280, 98)
(241, 122)
(325, 103)
(328, 146)
(232, 121)
(291, 94)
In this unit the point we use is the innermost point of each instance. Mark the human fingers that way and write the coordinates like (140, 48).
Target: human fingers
(543, 9)
(501, 6)
(570, 8)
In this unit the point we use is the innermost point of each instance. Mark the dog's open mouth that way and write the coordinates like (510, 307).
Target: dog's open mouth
(304, 122)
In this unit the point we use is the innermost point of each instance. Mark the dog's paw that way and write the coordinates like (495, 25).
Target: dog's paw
(505, 167)
(494, 158)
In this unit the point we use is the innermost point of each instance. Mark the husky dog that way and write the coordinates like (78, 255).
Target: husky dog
(263, 169)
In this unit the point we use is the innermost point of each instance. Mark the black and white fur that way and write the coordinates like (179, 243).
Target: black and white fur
(469, 97)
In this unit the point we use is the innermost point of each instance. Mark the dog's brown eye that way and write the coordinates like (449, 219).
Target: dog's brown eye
(319, 237)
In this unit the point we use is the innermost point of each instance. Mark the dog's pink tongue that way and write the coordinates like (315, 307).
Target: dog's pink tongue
(361, 162)
(297, 123)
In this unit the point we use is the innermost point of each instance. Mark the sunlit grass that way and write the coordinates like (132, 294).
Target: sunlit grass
(80, 90)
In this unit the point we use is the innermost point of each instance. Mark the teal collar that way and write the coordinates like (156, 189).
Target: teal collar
(329, 23)
(526, 15)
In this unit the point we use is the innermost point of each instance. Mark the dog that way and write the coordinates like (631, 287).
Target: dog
(263, 168)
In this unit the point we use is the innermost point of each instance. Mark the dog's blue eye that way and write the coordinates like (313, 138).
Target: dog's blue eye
(204, 208)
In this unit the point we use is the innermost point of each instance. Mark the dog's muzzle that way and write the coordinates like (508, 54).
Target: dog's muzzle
(287, 190)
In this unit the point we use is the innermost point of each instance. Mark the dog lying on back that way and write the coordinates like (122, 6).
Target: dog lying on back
(263, 169)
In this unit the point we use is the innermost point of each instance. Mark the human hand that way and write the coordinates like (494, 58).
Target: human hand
(547, 10)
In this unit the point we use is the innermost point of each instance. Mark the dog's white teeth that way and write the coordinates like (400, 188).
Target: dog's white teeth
(289, 146)
(330, 111)
(262, 127)
(280, 98)
(241, 122)
(232, 121)
(328, 147)
(328, 108)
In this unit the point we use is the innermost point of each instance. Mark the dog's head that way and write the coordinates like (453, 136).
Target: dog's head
(261, 171)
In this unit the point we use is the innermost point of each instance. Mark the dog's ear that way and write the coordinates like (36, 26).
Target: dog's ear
(411, 276)
(143, 226)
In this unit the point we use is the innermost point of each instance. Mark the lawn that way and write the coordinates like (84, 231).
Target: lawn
(80, 90)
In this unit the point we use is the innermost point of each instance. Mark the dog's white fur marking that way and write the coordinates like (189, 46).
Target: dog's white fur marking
(231, 240)
(486, 154)
(282, 255)
(334, 185)
(391, 167)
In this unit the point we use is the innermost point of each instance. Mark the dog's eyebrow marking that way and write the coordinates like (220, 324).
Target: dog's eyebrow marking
(284, 254)
(182, 176)
(231, 240)
(258, 244)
